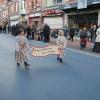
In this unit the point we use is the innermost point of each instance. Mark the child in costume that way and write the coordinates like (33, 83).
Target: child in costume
(22, 48)
(61, 42)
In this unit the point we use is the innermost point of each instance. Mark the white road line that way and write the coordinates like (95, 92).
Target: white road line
(84, 53)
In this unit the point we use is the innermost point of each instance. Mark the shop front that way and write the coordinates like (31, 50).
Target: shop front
(54, 18)
(14, 20)
(79, 16)
(35, 19)
(82, 20)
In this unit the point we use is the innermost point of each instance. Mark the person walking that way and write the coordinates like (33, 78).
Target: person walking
(72, 33)
(94, 33)
(34, 30)
(96, 47)
(40, 30)
(46, 33)
(21, 49)
(91, 32)
(61, 42)
(29, 32)
(83, 36)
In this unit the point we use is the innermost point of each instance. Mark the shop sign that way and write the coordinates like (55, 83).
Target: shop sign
(91, 2)
(69, 4)
(35, 15)
(14, 18)
(51, 12)
(52, 7)
(82, 4)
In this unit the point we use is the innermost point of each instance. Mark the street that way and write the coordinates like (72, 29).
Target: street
(78, 78)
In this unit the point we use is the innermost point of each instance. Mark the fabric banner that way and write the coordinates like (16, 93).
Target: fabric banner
(45, 51)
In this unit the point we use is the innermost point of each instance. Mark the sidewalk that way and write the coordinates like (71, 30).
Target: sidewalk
(76, 44)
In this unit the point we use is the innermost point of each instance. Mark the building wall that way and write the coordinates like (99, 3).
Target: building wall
(3, 2)
(33, 5)
(3, 11)
(47, 3)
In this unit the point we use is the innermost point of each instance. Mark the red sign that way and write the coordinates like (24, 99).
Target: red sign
(51, 12)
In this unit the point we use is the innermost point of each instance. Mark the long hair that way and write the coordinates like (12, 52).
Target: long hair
(20, 30)
(61, 33)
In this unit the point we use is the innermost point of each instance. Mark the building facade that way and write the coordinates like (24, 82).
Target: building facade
(33, 11)
(81, 13)
(13, 12)
(75, 13)
(3, 12)
(56, 13)
(52, 15)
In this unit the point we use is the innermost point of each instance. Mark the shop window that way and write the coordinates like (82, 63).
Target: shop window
(81, 20)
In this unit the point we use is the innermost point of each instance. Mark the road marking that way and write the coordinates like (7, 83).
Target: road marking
(83, 52)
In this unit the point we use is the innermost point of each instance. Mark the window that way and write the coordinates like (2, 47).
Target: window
(57, 1)
(54, 1)
(16, 6)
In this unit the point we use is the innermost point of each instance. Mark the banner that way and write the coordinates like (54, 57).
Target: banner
(45, 51)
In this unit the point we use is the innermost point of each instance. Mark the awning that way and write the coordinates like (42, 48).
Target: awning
(52, 7)
(92, 2)
(68, 6)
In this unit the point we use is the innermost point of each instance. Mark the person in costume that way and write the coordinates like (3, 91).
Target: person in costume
(61, 42)
(22, 47)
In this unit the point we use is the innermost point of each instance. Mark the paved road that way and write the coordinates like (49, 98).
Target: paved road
(77, 79)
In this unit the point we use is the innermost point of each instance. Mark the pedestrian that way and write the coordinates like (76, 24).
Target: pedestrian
(83, 36)
(7, 29)
(96, 47)
(13, 30)
(33, 31)
(94, 33)
(61, 42)
(65, 31)
(54, 33)
(46, 33)
(29, 32)
(88, 36)
(22, 48)
(91, 32)
(72, 33)
(40, 30)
